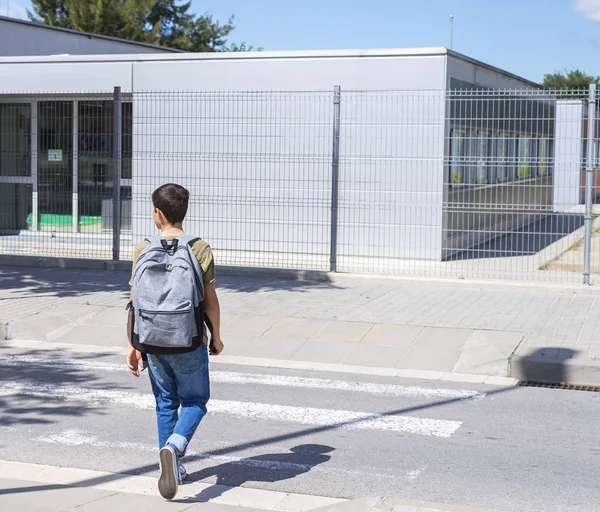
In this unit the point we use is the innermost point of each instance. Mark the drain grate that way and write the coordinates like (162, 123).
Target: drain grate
(569, 387)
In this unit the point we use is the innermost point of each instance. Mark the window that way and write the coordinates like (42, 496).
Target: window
(15, 139)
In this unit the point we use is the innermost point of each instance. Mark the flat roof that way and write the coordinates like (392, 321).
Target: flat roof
(270, 55)
(87, 35)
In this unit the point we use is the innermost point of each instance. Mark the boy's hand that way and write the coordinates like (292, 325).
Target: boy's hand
(216, 346)
(134, 361)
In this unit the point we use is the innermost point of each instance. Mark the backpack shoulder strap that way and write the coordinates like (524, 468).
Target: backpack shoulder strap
(154, 240)
(187, 239)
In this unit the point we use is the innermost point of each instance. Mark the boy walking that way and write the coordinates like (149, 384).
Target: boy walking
(172, 297)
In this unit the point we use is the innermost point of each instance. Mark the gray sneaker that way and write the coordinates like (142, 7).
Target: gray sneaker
(182, 473)
(168, 481)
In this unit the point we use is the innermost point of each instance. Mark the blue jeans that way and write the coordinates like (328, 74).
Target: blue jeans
(179, 380)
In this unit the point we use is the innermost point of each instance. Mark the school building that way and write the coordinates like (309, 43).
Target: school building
(420, 154)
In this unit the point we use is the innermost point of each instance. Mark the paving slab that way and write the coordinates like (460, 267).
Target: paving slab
(373, 355)
(436, 359)
(123, 501)
(38, 327)
(447, 326)
(365, 504)
(392, 335)
(323, 352)
(299, 328)
(48, 497)
(249, 325)
(399, 505)
(442, 337)
(94, 335)
(337, 330)
(273, 348)
(236, 344)
(488, 353)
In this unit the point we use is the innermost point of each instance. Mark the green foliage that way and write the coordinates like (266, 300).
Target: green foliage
(242, 47)
(163, 22)
(575, 83)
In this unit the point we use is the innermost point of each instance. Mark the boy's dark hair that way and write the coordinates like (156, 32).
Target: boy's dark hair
(172, 200)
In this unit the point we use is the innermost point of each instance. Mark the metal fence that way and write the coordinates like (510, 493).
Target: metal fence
(499, 184)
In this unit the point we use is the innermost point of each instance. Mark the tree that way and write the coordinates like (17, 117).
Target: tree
(50, 12)
(164, 22)
(242, 47)
(573, 81)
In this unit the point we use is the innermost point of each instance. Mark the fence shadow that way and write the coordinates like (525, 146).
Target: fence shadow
(79, 283)
(61, 282)
(242, 284)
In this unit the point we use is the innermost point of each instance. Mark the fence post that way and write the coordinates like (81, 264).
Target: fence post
(335, 177)
(117, 140)
(589, 179)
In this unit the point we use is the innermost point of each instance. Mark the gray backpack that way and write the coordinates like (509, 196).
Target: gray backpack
(168, 297)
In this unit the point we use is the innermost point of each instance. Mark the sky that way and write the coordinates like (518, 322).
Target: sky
(527, 37)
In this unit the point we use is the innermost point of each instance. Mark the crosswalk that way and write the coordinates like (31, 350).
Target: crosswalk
(262, 379)
(260, 410)
(312, 416)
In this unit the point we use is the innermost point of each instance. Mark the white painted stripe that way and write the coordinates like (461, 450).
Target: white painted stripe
(341, 385)
(259, 379)
(348, 420)
(77, 437)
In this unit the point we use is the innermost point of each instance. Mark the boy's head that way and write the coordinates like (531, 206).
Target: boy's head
(170, 203)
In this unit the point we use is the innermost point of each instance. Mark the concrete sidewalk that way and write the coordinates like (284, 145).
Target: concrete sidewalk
(24, 496)
(38, 488)
(450, 328)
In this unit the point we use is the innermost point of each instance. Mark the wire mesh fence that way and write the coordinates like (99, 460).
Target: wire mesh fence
(462, 183)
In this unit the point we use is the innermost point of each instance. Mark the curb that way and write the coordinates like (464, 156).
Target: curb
(91, 264)
(119, 483)
(63, 263)
(257, 362)
(547, 368)
(318, 276)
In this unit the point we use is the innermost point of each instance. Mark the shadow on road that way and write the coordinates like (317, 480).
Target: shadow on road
(28, 393)
(273, 467)
(266, 441)
(30, 282)
(240, 284)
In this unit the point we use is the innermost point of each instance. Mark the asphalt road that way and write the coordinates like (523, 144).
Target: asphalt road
(514, 449)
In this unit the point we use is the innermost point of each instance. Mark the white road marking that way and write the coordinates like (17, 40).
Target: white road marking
(348, 420)
(259, 379)
(75, 437)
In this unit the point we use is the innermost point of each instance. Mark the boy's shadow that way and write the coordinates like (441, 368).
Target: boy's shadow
(264, 468)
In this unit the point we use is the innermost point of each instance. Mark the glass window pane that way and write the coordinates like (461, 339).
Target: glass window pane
(15, 206)
(15, 139)
(55, 165)
(95, 163)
